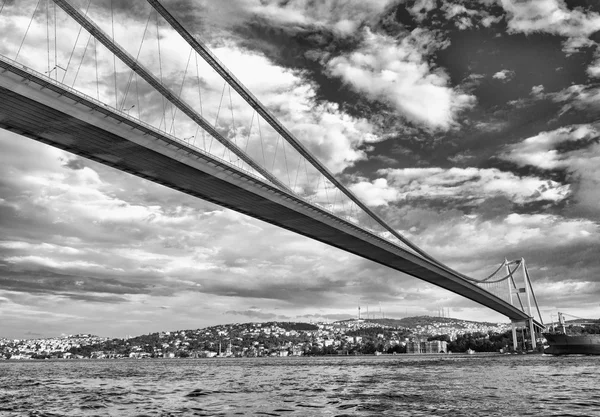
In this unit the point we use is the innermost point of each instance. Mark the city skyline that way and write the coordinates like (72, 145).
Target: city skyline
(469, 127)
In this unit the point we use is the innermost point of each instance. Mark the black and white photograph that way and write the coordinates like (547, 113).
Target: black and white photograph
(299, 208)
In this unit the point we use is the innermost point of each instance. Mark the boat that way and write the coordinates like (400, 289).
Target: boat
(560, 342)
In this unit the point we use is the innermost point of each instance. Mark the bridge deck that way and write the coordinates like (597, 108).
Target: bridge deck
(34, 106)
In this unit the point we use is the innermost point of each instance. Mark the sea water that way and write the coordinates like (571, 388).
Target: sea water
(402, 385)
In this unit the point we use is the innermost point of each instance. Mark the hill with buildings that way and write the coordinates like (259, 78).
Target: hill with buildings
(270, 339)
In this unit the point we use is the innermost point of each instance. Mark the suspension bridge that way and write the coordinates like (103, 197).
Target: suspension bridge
(135, 102)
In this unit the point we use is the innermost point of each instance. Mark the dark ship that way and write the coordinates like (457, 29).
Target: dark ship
(562, 343)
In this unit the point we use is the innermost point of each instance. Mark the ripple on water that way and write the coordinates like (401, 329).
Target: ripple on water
(357, 386)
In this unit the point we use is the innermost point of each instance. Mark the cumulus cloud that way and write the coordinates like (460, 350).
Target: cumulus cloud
(537, 91)
(573, 149)
(398, 73)
(552, 16)
(376, 193)
(504, 75)
(594, 69)
(542, 150)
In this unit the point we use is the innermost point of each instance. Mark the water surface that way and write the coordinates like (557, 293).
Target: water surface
(492, 385)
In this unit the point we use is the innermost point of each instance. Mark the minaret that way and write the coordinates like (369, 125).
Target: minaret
(359, 312)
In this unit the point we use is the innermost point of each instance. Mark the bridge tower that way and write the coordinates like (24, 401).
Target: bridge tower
(520, 294)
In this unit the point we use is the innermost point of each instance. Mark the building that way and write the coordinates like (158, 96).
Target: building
(433, 346)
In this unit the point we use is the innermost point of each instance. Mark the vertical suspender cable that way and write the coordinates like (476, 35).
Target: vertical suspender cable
(137, 94)
(200, 102)
(27, 30)
(75, 45)
(287, 170)
(48, 33)
(55, 46)
(249, 131)
(275, 155)
(181, 89)
(82, 58)
(262, 146)
(96, 61)
(165, 92)
(136, 58)
(218, 111)
(297, 171)
(160, 73)
(112, 22)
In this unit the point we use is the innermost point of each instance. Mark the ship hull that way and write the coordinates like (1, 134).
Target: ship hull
(562, 344)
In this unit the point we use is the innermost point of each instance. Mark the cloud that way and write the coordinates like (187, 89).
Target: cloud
(554, 17)
(593, 70)
(88, 238)
(336, 137)
(504, 75)
(342, 18)
(573, 149)
(537, 91)
(542, 150)
(470, 186)
(398, 73)
(257, 314)
(578, 97)
(376, 193)
(74, 233)
(457, 13)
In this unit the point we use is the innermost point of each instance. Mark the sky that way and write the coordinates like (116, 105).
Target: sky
(470, 126)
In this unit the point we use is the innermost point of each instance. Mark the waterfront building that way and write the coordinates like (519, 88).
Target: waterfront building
(433, 346)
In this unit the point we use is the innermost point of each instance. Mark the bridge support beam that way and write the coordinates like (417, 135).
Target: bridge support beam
(514, 335)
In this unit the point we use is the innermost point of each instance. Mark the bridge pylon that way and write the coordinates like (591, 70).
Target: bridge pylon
(512, 282)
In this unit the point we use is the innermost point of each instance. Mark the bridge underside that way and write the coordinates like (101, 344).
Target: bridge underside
(34, 108)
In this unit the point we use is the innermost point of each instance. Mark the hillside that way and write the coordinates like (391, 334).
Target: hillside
(412, 322)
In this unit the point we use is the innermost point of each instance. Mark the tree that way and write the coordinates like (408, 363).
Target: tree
(442, 337)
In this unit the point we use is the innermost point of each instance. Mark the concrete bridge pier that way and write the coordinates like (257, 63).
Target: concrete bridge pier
(514, 335)
(528, 324)
(532, 333)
